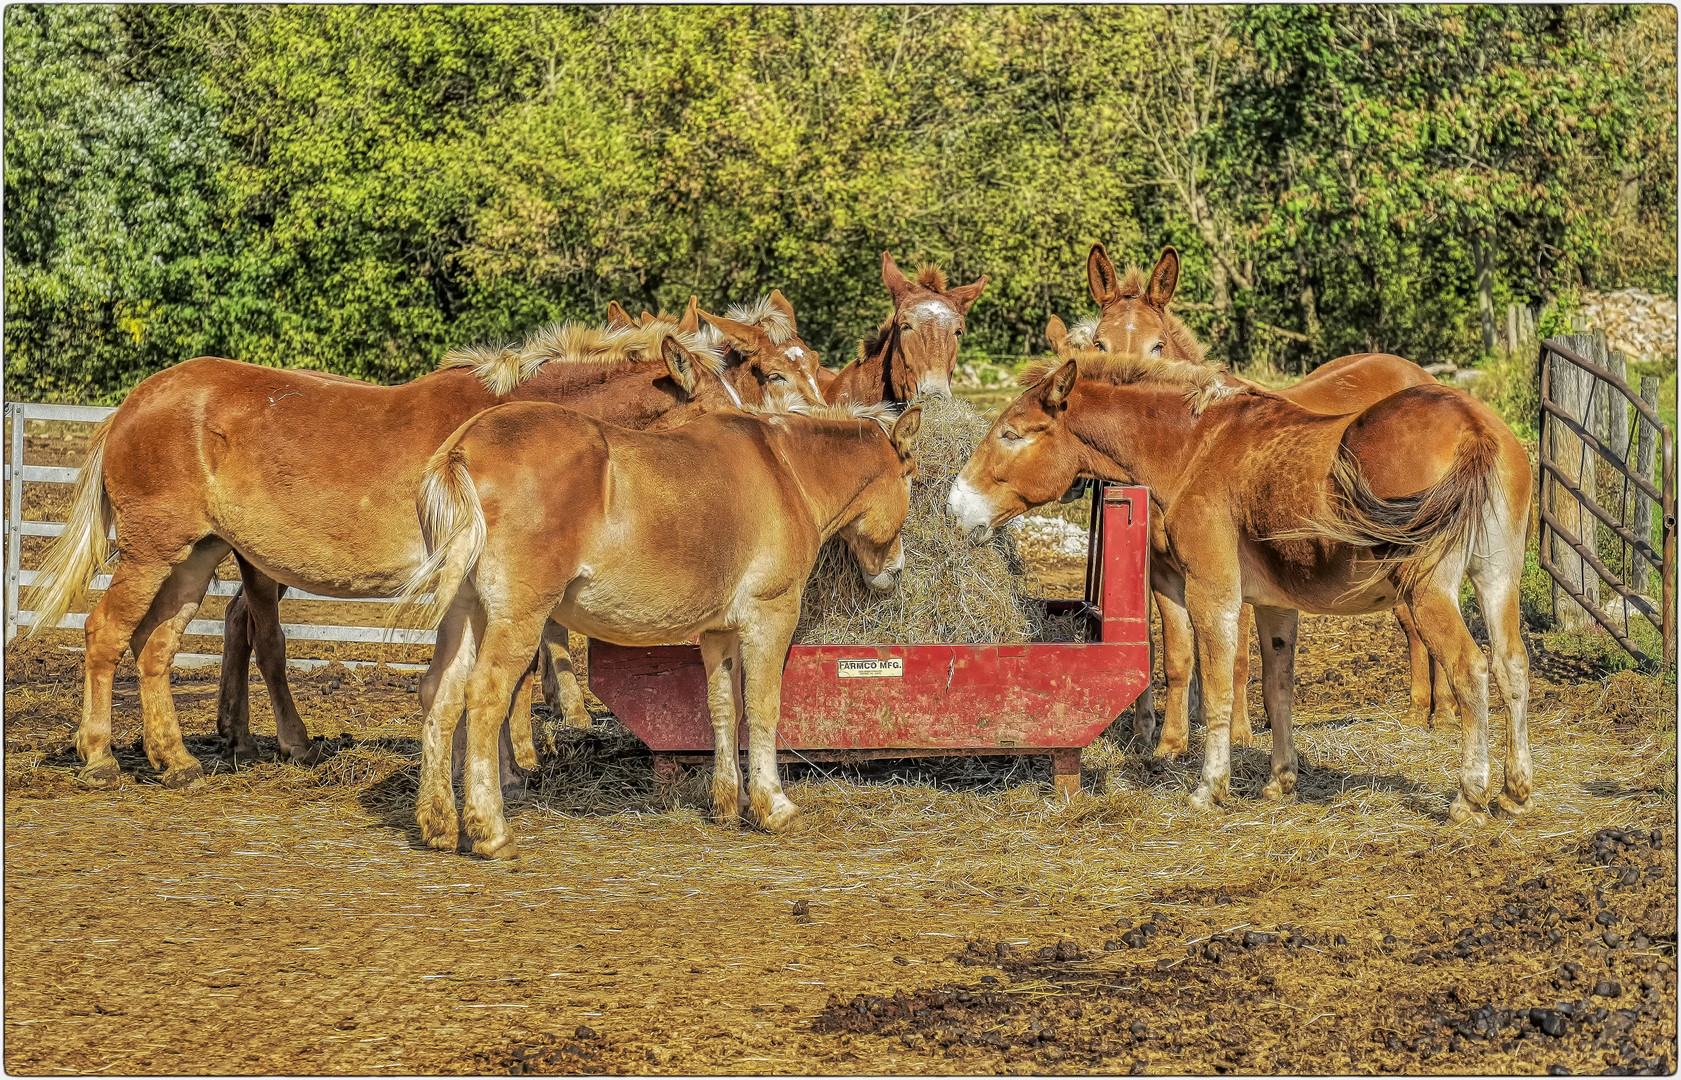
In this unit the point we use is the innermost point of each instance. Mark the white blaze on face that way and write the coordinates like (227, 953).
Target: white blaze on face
(969, 507)
(937, 312)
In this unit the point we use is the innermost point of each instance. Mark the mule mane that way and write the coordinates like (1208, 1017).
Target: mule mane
(1204, 384)
(766, 316)
(931, 277)
(786, 402)
(1083, 334)
(502, 367)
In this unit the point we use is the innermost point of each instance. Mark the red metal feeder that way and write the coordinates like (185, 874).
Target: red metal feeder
(848, 702)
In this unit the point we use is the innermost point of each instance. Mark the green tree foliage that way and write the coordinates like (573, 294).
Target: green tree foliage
(358, 189)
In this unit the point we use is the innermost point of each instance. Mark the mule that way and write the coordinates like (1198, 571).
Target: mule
(311, 480)
(915, 350)
(1134, 318)
(534, 512)
(1262, 501)
(766, 337)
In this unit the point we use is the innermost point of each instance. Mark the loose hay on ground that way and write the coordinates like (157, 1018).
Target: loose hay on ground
(951, 590)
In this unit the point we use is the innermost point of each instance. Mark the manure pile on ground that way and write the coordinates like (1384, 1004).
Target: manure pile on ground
(951, 590)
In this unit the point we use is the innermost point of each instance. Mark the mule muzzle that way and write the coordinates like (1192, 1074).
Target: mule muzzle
(934, 386)
(970, 509)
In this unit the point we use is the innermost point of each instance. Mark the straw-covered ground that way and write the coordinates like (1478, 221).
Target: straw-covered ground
(929, 917)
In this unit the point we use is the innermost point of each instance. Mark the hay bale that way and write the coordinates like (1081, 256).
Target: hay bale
(952, 590)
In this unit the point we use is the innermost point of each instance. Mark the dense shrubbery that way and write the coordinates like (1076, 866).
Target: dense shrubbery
(360, 188)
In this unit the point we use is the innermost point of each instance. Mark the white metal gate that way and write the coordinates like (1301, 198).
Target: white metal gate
(18, 472)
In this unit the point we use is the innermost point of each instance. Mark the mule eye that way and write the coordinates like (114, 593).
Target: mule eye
(958, 332)
(1157, 351)
(1102, 345)
(778, 379)
(1010, 436)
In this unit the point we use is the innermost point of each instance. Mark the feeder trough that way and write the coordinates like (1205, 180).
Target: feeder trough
(851, 702)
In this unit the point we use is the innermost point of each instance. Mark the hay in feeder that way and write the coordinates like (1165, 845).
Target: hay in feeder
(952, 589)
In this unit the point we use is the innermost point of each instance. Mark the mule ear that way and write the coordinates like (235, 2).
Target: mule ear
(1061, 384)
(680, 364)
(645, 318)
(1057, 334)
(780, 303)
(905, 429)
(743, 337)
(966, 295)
(1100, 275)
(1164, 278)
(690, 322)
(891, 276)
(617, 317)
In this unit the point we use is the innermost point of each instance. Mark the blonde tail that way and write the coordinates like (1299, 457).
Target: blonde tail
(84, 548)
(452, 521)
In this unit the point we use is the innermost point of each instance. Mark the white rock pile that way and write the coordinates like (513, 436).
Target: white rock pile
(1635, 322)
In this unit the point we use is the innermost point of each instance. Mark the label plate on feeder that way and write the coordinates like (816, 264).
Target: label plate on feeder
(871, 669)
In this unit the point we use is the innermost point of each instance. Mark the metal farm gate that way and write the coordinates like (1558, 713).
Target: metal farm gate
(19, 472)
(1593, 452)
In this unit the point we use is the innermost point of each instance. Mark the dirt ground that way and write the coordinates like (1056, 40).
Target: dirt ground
(938, 916)
(929, 916)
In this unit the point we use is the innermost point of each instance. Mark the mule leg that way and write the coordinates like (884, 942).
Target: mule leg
(1242, 733)
(1214, 609)
(1442, 706)
(134, 585)
(509, 643)
(1497, 594)
(443, 694)
(560, 677)
(720, 652)
(1277, 627)
(155, 642)
(1419, 668)
(1144, 709)
(1179, 666)
(764, 648)
(233, 701)
(1435, 610)
(262, 597)
(520, 745)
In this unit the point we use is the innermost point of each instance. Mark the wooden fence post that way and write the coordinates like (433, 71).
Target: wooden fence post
(1645, 465)
(1572, 389)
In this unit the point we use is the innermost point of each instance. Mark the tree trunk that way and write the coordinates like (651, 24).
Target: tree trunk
(1571, 390)
(1484, 261)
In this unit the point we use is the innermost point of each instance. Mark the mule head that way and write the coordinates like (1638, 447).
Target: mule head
(1028, 458)
(873, 535)
(1134, 319)
(769, 357)
(928, 321)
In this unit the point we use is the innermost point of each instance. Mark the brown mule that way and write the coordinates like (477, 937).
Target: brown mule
(915, 350)
(311, 479)
(1134, 319)
(536, 513)
(1264, 502)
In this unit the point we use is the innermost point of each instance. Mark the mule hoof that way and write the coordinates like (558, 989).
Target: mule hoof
(580, 719)
(185, 777)
(1512, 807)
(245, 751)
(1203, 799)
(103, 774)
(504, 847)
(1171, 749)
(1273, 792)
(1463, 813)
(311, 755)
(781, 816)
(1243, 738)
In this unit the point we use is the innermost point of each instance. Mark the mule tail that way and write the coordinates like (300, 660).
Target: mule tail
(85, 546)
(452, 522)
(1411, 535)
